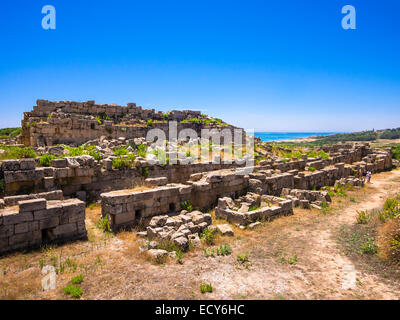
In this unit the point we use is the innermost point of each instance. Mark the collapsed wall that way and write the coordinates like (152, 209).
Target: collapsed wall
(67, 122)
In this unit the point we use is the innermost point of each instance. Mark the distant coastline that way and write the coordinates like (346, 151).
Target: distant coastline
(286, 136)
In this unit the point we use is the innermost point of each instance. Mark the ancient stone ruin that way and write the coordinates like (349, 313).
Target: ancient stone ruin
(87, 152)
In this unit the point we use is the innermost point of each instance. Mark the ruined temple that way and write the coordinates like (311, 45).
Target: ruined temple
(74, 123)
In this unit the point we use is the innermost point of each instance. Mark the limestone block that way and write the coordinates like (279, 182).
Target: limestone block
(59, 163)
(27, 164)
(10, 165)
(15, 217)
(6, 231)
(182, 242)
(65, 230)
(49, 223)
(21, 228)
(225, 230)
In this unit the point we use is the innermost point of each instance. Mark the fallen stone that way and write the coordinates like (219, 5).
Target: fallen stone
(225, 229)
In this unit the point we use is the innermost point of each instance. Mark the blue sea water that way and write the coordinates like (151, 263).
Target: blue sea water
(276, 136)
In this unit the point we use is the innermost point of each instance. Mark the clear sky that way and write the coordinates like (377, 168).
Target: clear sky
(266, 65)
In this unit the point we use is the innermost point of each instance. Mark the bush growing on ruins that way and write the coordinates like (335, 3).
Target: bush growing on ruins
(150, 123)
(168, 245)
(74, 291)
(145, 172)
(96, 155)
(99, 121)
(206, 287)
(323, 155)
(208, 235)
(194, 120)
(142, 150)
(45, 160)
(185, 205)
(17, 153)
(312, 169)
(121, 151)
(179, 256)
(104, 224)
(253, 208)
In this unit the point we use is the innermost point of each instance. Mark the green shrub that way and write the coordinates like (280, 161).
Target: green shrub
(99, 121)
(74, 291)
(17, 153)
(369, 246)
(185, 205)
(362, 217)
(96, 155)
(224, 250)
(293, 260)
(142, 150)
(391, 204)
(179, 256)
(77, 279)
(209, 252)
(208, 235)
(121, 151)
(150, 123)
(104, 224)
(206, 287)
(145, 172)
(242, 257)
(168, 245)
(254, 208)
(45, 160)
(312, 169)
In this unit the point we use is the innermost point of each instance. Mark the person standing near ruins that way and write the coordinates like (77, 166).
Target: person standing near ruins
(369, 176)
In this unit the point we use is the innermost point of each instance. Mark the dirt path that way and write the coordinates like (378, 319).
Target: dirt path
(322, 271)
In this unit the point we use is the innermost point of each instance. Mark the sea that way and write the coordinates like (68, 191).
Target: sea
(277, 136)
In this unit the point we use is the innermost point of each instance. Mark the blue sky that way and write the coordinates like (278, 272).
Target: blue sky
(264, 65)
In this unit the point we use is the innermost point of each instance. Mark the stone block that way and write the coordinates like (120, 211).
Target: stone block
(59, 163)
(27, 164)
(32, 205)
(16, 217)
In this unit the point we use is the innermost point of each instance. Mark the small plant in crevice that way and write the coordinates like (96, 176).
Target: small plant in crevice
(185, 205)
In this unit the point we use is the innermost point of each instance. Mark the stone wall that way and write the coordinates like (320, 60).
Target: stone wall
(75, 175)
(35, 222)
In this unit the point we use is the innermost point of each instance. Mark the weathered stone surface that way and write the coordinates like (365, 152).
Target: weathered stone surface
(225, 229)
(157, 254)
(32, 205)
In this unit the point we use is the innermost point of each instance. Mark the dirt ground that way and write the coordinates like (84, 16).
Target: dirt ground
(309, 255)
